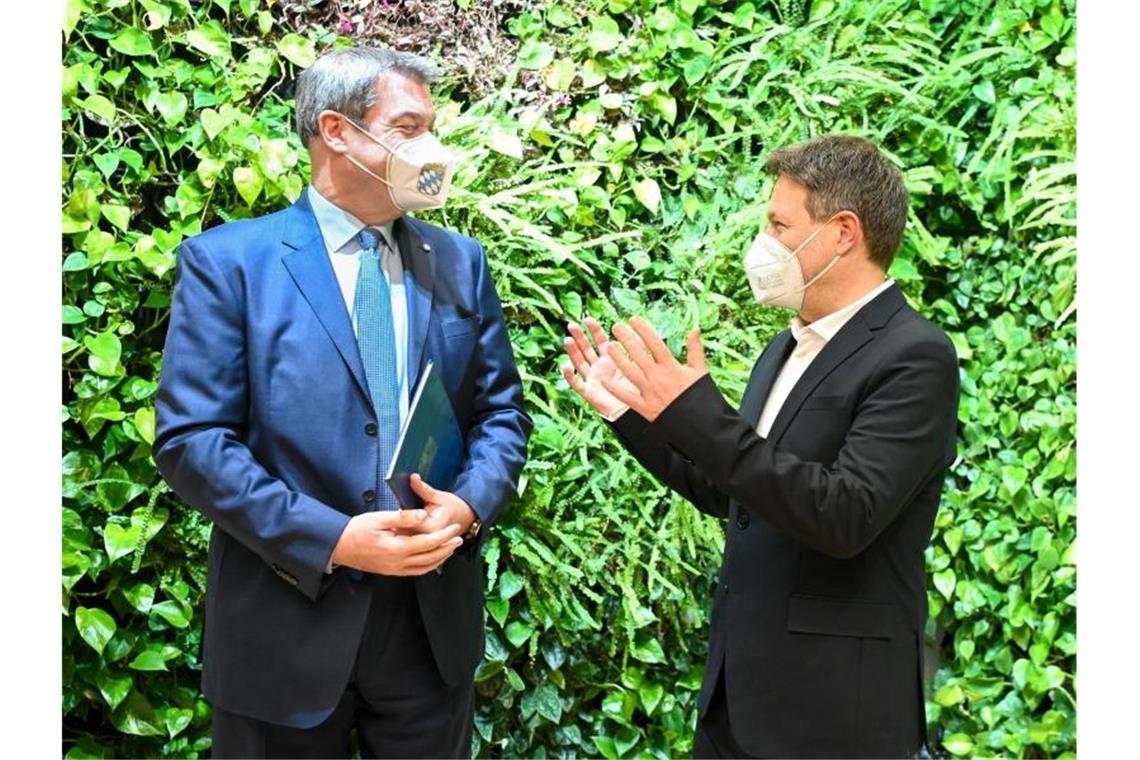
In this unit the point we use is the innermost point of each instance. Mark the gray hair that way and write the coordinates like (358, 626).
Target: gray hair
(344, 80)
(848, 173)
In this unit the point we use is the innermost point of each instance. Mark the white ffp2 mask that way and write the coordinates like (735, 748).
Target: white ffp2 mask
(775, 273)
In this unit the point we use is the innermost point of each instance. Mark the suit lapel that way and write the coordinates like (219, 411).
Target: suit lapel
(851, 337)
(764, 375)
(419, 276)
(308, 264)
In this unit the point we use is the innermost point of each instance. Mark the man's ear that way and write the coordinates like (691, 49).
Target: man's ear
(330, 130)
(850, 230)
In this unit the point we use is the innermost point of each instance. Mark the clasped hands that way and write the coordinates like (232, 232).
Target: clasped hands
(407, 541)
(635, 371)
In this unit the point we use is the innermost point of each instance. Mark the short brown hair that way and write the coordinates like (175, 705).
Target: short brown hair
(848, 173)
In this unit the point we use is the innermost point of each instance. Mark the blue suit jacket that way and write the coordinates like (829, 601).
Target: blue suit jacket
(263, 421)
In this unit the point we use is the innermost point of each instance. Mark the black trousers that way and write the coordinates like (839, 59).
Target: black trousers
(396, 703)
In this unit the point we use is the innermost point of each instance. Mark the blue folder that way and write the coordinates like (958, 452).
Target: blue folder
(429, 444)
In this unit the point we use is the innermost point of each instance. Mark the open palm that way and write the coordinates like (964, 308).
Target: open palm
(589, 367)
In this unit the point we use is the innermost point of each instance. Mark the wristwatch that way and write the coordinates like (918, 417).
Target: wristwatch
(473, 531)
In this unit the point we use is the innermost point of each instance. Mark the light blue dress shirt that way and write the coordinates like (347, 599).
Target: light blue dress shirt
(339, 230)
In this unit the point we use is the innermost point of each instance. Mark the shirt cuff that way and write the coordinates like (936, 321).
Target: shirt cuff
(616, 415)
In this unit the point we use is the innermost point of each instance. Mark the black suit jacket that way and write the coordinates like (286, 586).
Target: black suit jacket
(821, 604)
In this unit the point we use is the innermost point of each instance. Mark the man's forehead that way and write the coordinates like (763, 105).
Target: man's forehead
(789, 199)
(398, 93)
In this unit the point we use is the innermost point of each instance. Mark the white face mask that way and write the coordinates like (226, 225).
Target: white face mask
(775, 273)
(419, 171)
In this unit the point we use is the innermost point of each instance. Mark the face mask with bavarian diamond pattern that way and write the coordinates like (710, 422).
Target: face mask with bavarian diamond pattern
(419, 170)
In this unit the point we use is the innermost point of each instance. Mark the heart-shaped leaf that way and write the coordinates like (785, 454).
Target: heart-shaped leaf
(210, 38)
(119, 541)
(114, 690)
(297, 49)
(248, 182)
(131, 41)
(104, 351)
(95, 626)
(172, 106)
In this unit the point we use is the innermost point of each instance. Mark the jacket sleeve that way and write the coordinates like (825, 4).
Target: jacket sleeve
(499, 429)
(668, 465)
(901, 435)
(199, 445)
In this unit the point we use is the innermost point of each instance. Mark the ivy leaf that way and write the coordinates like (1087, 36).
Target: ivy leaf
(949, 695)
(958, 744)
(148, 660)
(172, 106)
(132, 41)
(297, 49)
(518, 633)
(176, 720)
(101, 107)
(144, 423)
(248, 182)
(141, 597)
(107, 163)
(105, 350)
(210, 38)
(650, 695)
(119, 541)
(648, 193)
(945, 581)
(119, 216)
(535, 54)
(114, 690)
(171, 612)
(213, 122)
(604, 34)
(547, 703)
(95, 626)
(509, 584)
(647, 649)
(135, 716)
(1014, 478)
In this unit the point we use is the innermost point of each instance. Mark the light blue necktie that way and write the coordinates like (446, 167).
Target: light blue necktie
(376, 336)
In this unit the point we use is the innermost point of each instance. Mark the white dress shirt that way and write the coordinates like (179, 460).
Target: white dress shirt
(339, 230)
(810, 340)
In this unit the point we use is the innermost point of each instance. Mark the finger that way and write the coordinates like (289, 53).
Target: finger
(657, 348)
(428, 561)
(574, 380)
(623, 394)
(403, 519)
(695, 352)
(423, 490)
(574, 351)
(409, 546)
(633, 345)
(596, 331)
(631, 371)
(582, 342)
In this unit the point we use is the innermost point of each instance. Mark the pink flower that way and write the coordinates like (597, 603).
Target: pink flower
(346, 27)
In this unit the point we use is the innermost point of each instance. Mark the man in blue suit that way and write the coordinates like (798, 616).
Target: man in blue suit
(294, 341)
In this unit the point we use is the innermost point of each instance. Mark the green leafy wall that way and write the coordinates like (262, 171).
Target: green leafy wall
(612, 154)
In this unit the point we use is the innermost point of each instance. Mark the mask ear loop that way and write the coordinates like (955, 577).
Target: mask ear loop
(830, 264)
(366, 170)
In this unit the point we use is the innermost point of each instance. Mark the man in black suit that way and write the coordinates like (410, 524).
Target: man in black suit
(829, 474)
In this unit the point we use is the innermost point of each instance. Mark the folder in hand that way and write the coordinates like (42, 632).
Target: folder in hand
(430, 443)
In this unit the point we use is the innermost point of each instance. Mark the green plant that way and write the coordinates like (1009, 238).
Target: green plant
(616, 169)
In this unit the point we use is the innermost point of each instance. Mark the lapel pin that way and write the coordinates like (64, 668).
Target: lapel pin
(426, 248)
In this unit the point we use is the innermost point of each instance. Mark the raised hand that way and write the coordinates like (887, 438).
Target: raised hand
(589, 369)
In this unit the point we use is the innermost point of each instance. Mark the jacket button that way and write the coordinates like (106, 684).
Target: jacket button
(742, 520)
(369, 496)
(370, 428)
